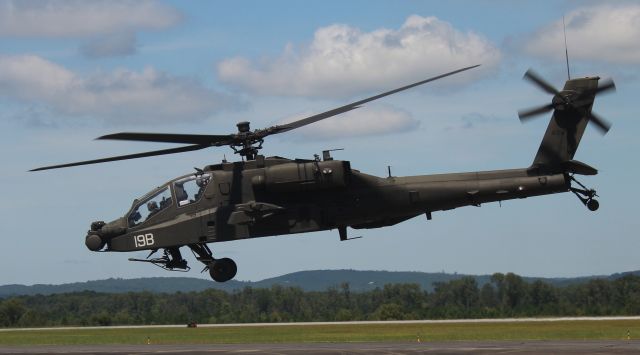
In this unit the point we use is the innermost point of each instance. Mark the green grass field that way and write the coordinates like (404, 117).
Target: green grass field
(559, 330)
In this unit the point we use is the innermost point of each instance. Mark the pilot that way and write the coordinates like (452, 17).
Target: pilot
(202, 181)
(152, 206)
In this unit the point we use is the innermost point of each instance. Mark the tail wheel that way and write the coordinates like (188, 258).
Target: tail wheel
(586, 195)
(222, 270)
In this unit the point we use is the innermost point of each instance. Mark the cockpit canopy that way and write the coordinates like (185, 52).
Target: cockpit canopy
(184, 190)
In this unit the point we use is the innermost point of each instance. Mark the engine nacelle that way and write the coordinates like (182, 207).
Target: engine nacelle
(303, 176)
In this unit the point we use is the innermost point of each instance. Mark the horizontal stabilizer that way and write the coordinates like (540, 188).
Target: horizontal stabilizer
(578, 167)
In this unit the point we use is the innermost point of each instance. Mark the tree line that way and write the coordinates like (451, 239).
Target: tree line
(507, 295)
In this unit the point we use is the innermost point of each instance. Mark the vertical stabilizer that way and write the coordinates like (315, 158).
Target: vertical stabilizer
(571, 113)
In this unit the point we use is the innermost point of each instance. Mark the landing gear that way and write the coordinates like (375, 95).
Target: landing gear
(221, 270)
(585, 195)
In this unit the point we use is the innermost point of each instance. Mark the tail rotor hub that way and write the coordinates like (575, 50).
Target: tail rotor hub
(564, 100)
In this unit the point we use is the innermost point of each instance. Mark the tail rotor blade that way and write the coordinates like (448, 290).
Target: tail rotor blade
(605, 86)
(602, 124)
(537, 79)
(527, 114)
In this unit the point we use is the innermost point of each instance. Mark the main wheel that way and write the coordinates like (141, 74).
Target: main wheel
(222, 270)
(593, 205)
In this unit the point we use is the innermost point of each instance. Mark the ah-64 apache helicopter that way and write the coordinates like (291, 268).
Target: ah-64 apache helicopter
(267, 196)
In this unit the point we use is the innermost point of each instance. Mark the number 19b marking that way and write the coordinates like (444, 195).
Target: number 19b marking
(143, 240)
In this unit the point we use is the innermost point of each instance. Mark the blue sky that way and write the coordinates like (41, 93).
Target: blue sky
(75, 70)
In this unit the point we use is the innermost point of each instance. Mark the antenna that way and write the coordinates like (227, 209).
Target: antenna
(566, 51)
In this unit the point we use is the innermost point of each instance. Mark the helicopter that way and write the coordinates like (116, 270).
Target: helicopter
(262, 196)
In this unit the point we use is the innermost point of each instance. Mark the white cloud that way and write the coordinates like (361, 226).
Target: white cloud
(366, 121)
(119, 96)
(82, 18)
(342, 60)
(606, 32)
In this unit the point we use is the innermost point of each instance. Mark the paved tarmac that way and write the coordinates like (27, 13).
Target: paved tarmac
(461, 347)
(298, 324)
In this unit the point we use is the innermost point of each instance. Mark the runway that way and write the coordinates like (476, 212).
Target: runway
(390, 322)
(459, 347)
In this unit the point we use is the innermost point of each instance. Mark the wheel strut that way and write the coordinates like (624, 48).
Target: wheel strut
(221, 270)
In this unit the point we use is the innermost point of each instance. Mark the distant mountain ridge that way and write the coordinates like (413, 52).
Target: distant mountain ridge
(313, 280)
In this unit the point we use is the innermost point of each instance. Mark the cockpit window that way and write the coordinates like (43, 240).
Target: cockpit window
(150, 206)
(191, 188)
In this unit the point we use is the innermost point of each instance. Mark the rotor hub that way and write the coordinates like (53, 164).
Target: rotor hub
(243, 127)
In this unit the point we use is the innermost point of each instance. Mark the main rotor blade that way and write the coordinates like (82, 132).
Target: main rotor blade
(602, 124)
(531, 112)
(606, 85)
(200, 139)
(537, 79)
(125, 157)
(351, 106)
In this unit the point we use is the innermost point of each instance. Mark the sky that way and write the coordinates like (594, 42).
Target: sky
(71, 71)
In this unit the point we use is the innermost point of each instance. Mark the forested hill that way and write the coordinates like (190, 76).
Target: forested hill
(317, 280)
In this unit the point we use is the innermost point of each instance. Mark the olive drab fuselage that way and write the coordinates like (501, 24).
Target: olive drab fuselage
(277, 196)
